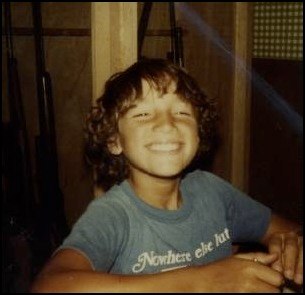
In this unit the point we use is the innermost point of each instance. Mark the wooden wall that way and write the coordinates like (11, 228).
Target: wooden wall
(276, 157)
(212, 34)
(276, 151)
(156, 45)
(103, 41)
(71, 61)
(211, 67)
(79, 66)
(114, 45)
(114, 40)
(68, 60)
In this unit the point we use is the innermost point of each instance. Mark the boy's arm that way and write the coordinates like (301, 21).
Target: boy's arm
(70, 271)
(285, 238)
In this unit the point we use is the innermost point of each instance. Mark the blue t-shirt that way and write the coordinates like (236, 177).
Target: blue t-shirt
(120, 233)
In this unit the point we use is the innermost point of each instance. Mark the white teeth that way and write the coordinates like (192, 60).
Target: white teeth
(164, 147)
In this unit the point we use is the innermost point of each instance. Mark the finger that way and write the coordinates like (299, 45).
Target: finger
(275, 246)
(262, 287)
(291, 252)
(267, 258)
(298, 276)
(260, 270)
(263, 258)
(269, 275)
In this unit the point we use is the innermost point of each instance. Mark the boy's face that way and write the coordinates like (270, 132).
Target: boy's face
(158, 135)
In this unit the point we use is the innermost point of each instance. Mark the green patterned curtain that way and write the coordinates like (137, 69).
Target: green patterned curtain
(278, 30)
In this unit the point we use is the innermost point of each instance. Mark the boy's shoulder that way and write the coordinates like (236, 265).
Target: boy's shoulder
(200, 181)
(201, 176)
(114, 201)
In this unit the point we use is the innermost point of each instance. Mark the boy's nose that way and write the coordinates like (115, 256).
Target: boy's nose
(164, 122)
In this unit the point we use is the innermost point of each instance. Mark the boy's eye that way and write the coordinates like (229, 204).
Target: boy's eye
(183, 113)
(141, 115)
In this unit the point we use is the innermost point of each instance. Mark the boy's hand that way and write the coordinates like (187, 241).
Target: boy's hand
(250, 272)
(289, 248)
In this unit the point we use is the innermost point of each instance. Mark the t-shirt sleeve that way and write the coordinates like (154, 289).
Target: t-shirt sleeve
(247, 218)
(99, 233)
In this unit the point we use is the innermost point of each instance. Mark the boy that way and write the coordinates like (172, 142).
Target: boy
(159, 228)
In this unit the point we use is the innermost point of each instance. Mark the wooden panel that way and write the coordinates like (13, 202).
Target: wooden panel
(114, 40)
(72, 97)
(208, 26)
(241, 97)
(156, 46)
(50, 32)
(114, 44)
(276, 157)
(67, 15)
(68, 60)
(212, 34)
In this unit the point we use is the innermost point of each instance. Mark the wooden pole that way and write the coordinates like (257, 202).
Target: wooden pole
(114, 44)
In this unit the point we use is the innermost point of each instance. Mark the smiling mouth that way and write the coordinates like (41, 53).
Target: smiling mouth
(164, 147)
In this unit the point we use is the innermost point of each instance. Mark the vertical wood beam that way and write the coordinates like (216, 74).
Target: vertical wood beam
(114, 40)
(114, 44)
(241, 96)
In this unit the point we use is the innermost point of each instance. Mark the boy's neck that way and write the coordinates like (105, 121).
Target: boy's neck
(162, 193)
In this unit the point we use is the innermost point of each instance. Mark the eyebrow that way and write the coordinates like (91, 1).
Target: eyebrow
(127, 108)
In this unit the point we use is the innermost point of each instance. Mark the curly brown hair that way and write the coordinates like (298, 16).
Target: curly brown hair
(120, 91)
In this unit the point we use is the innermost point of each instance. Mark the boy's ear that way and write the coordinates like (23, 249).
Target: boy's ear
(114, 146)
